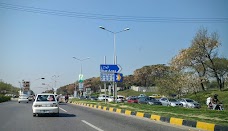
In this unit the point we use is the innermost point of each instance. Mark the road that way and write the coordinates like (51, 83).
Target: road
(18, 117)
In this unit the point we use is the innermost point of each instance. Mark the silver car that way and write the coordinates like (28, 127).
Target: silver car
(189, 103)
(170, 102)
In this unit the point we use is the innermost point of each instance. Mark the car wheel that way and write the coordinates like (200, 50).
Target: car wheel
(34, 114)
(27, 101)
(18, 101)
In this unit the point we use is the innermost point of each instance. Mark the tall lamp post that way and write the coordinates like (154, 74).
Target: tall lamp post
(55, 83)
(114, 52)
(80, 76)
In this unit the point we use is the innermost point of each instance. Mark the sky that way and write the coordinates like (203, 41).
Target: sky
(38, 39)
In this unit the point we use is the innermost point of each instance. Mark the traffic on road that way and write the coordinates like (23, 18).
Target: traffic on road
(19, 116)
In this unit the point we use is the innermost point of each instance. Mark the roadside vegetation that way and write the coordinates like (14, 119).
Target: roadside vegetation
(7, 91)
(4, 98)
(203, 114)
(195, 72)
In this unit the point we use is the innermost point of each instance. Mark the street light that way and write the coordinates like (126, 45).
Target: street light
(55, 83)
(80, 82)
(114, 52)
(114, 33)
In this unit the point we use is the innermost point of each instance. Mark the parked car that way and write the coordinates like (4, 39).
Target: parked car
(170, 102)
(132, 100)
(118, 99)
(23, 98)
(154, 101)
(141, 95)
(93, 98)
(149, 100)
(111, 99)
(45, 104)
(156, 96)
(189, 103)
(102, 97)
(143, 100)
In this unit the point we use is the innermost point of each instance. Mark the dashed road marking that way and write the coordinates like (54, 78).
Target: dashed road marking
(91, 125)
(62, 109)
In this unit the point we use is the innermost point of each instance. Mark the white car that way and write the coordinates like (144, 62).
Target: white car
(23, 98)
(45, 104)
(119, 99)
(102, 97)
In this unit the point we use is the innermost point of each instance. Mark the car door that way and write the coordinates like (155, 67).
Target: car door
(164, 101)
(183, 102)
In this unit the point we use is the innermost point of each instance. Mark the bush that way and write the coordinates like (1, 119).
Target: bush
(4, 98)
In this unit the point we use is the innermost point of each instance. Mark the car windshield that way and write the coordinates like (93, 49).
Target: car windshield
(189, 100)
(45, 98)
(133, 98)
(151, 98)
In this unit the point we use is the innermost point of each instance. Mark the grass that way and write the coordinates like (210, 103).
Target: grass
(203, 114)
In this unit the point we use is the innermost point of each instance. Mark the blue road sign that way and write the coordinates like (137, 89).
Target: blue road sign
(106, 77)
(118, 77)
(110, 68)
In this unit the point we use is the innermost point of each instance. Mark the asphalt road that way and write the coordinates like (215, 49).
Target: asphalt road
(18, 117)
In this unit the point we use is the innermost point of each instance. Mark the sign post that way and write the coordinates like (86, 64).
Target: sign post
(110, 73)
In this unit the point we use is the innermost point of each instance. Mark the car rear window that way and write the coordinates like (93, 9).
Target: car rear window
(45, 98)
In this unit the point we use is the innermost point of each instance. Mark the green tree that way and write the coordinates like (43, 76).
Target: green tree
(142, 76)
(199, 57)
(221, 67)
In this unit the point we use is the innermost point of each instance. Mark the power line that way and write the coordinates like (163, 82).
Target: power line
(110, 17)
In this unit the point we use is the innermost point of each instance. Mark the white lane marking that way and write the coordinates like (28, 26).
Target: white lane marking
(92, 125)
(62, 109)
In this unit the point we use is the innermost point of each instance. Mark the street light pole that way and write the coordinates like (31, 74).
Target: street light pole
(81, 60)
(55, 83)
(114, 53)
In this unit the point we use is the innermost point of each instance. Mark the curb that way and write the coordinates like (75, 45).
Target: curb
(170, 120)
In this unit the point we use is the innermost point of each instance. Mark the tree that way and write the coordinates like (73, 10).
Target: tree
(221, 68)
(189, 60)
(127, 81)
(171, 83)
(142, 75)
(199, 56)
(205, 47)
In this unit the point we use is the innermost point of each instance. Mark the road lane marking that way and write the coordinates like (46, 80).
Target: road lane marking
(92, 125)
(62, 109)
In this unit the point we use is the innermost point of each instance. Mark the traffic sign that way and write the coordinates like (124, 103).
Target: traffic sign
(81, 87)
(110, 68)
(118, 77)
(106, 77)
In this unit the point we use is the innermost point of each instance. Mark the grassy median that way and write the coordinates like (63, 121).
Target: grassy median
(203, 114)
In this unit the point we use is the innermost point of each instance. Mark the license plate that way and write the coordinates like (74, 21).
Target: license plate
(45, 111)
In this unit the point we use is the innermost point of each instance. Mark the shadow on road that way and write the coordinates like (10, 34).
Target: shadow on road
(66, 115)
(62, 103)
(60, 115)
